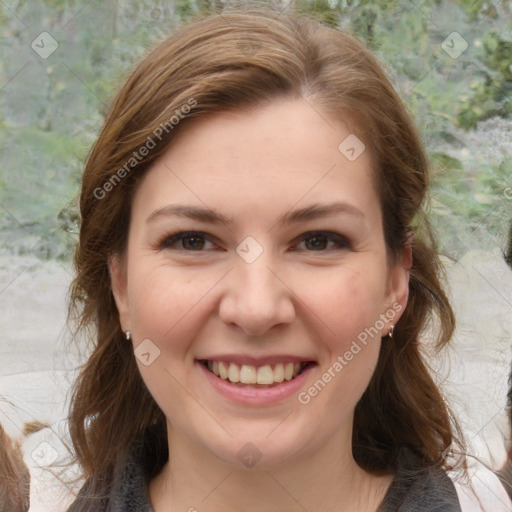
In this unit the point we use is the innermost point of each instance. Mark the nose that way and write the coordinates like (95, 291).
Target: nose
(256, 298)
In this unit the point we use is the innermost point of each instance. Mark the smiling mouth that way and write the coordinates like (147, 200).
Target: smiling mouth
(264, 376)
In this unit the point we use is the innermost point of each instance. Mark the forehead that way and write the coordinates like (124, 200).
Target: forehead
(269, 159)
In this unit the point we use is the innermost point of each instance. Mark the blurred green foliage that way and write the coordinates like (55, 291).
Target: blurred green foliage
(492, 91)
(51, 109)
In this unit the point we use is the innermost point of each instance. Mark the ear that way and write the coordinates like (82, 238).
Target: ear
(119, 283)
(398, 282)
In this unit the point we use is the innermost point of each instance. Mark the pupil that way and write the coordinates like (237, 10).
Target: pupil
(316, 243)
(193, 242)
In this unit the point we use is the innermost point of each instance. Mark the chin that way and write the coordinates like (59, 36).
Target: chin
(262, 450)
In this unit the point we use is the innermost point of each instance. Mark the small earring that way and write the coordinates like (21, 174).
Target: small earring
(128, 335)
(390, 333)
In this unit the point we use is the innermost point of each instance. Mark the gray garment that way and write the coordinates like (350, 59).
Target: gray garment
(413, 490)
(417, 489)
(129, 493)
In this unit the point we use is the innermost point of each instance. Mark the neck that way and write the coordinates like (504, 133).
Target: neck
(195, 480)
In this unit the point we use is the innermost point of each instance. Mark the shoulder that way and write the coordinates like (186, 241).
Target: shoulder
(418, 487)
(128, 489)
(483, 492)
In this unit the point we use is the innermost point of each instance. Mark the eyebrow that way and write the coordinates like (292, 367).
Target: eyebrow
(211, 216)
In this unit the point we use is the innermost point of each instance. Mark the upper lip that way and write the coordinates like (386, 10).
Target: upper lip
(256, 361)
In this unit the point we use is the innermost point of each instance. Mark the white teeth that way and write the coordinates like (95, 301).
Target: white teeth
(265, 375)
(249, 374)
(288, 371)
(234, 373)
(279, 372)
(223, 371)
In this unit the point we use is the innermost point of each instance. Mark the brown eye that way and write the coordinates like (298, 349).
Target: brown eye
(186, 241)
(316, 243)
(322, 241)
(193, 242)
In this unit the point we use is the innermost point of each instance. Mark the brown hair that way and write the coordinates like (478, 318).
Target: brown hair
(234, 61)
(14, 476)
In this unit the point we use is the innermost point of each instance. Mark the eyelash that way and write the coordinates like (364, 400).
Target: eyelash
(173, 238)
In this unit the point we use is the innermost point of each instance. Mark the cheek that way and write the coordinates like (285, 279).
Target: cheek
(347, 300)
(349, 303)
(350, 307)
(167, 307)
(164, 300)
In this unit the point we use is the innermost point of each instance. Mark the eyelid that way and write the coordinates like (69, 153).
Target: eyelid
(171, 238)
(342, 241)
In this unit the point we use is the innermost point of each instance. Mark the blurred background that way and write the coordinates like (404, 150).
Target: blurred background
(61, 63)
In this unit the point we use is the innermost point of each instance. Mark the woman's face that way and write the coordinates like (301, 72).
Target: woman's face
(256, 251)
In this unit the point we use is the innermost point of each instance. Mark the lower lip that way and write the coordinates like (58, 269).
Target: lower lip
(255, 396)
